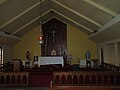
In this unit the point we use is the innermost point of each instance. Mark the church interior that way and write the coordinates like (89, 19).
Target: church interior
(59, 44)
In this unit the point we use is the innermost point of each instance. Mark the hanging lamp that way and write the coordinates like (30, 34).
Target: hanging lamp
(41, 33)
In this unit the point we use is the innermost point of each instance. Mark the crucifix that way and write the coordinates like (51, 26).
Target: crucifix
(53, 34)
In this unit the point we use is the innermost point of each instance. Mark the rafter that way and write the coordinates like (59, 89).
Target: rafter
(19, 15)
(2, 1)
(102, 8)
(31, 22)
(79, 14)
(86, 28)
(9, 36)
(107, 25)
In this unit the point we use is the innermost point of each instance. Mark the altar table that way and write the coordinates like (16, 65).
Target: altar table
(50, 60)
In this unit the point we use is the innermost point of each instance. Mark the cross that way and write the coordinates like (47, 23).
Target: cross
(53, 33)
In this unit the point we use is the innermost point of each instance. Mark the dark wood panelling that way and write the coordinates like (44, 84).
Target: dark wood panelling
(54, 41)
(85, 88)
(85, 80)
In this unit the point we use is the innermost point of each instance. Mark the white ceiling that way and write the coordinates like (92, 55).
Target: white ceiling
(97, 18)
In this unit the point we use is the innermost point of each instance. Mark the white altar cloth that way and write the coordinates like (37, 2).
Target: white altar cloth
(50, 60)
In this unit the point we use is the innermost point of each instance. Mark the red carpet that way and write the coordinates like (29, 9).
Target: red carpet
(40, 79)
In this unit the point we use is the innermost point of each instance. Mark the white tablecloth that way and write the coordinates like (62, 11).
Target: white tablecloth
(50, 60)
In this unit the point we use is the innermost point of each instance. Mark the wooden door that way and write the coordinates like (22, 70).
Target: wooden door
(55, 38)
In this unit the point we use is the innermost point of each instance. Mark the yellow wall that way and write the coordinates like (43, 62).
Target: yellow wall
(29, 42)
(78, 43)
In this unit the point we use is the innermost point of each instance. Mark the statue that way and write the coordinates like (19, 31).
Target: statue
(28, 55)
(27, 59)
(88, 58)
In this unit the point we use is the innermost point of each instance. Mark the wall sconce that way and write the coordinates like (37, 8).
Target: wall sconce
(41, 39)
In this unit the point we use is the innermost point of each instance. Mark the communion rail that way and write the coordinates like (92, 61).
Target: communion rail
(111, 67)
(13, 79)
(86, 80)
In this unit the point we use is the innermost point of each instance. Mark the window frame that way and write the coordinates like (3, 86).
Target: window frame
(1, 55)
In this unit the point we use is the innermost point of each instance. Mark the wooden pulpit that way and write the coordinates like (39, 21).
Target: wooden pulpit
(17, 65)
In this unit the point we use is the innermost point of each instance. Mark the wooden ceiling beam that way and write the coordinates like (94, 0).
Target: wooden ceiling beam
(76, 13)
(9, 36)
(19, 15)
(101, 7)
(86, 28)
(107, 25)
(31, 22)
(2, 1)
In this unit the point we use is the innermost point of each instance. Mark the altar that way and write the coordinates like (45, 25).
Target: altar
(50, 60)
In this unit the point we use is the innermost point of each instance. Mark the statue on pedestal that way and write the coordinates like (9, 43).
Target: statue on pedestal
(88, 58)
(27, 63)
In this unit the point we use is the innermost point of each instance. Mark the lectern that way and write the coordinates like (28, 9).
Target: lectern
(17, 65)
